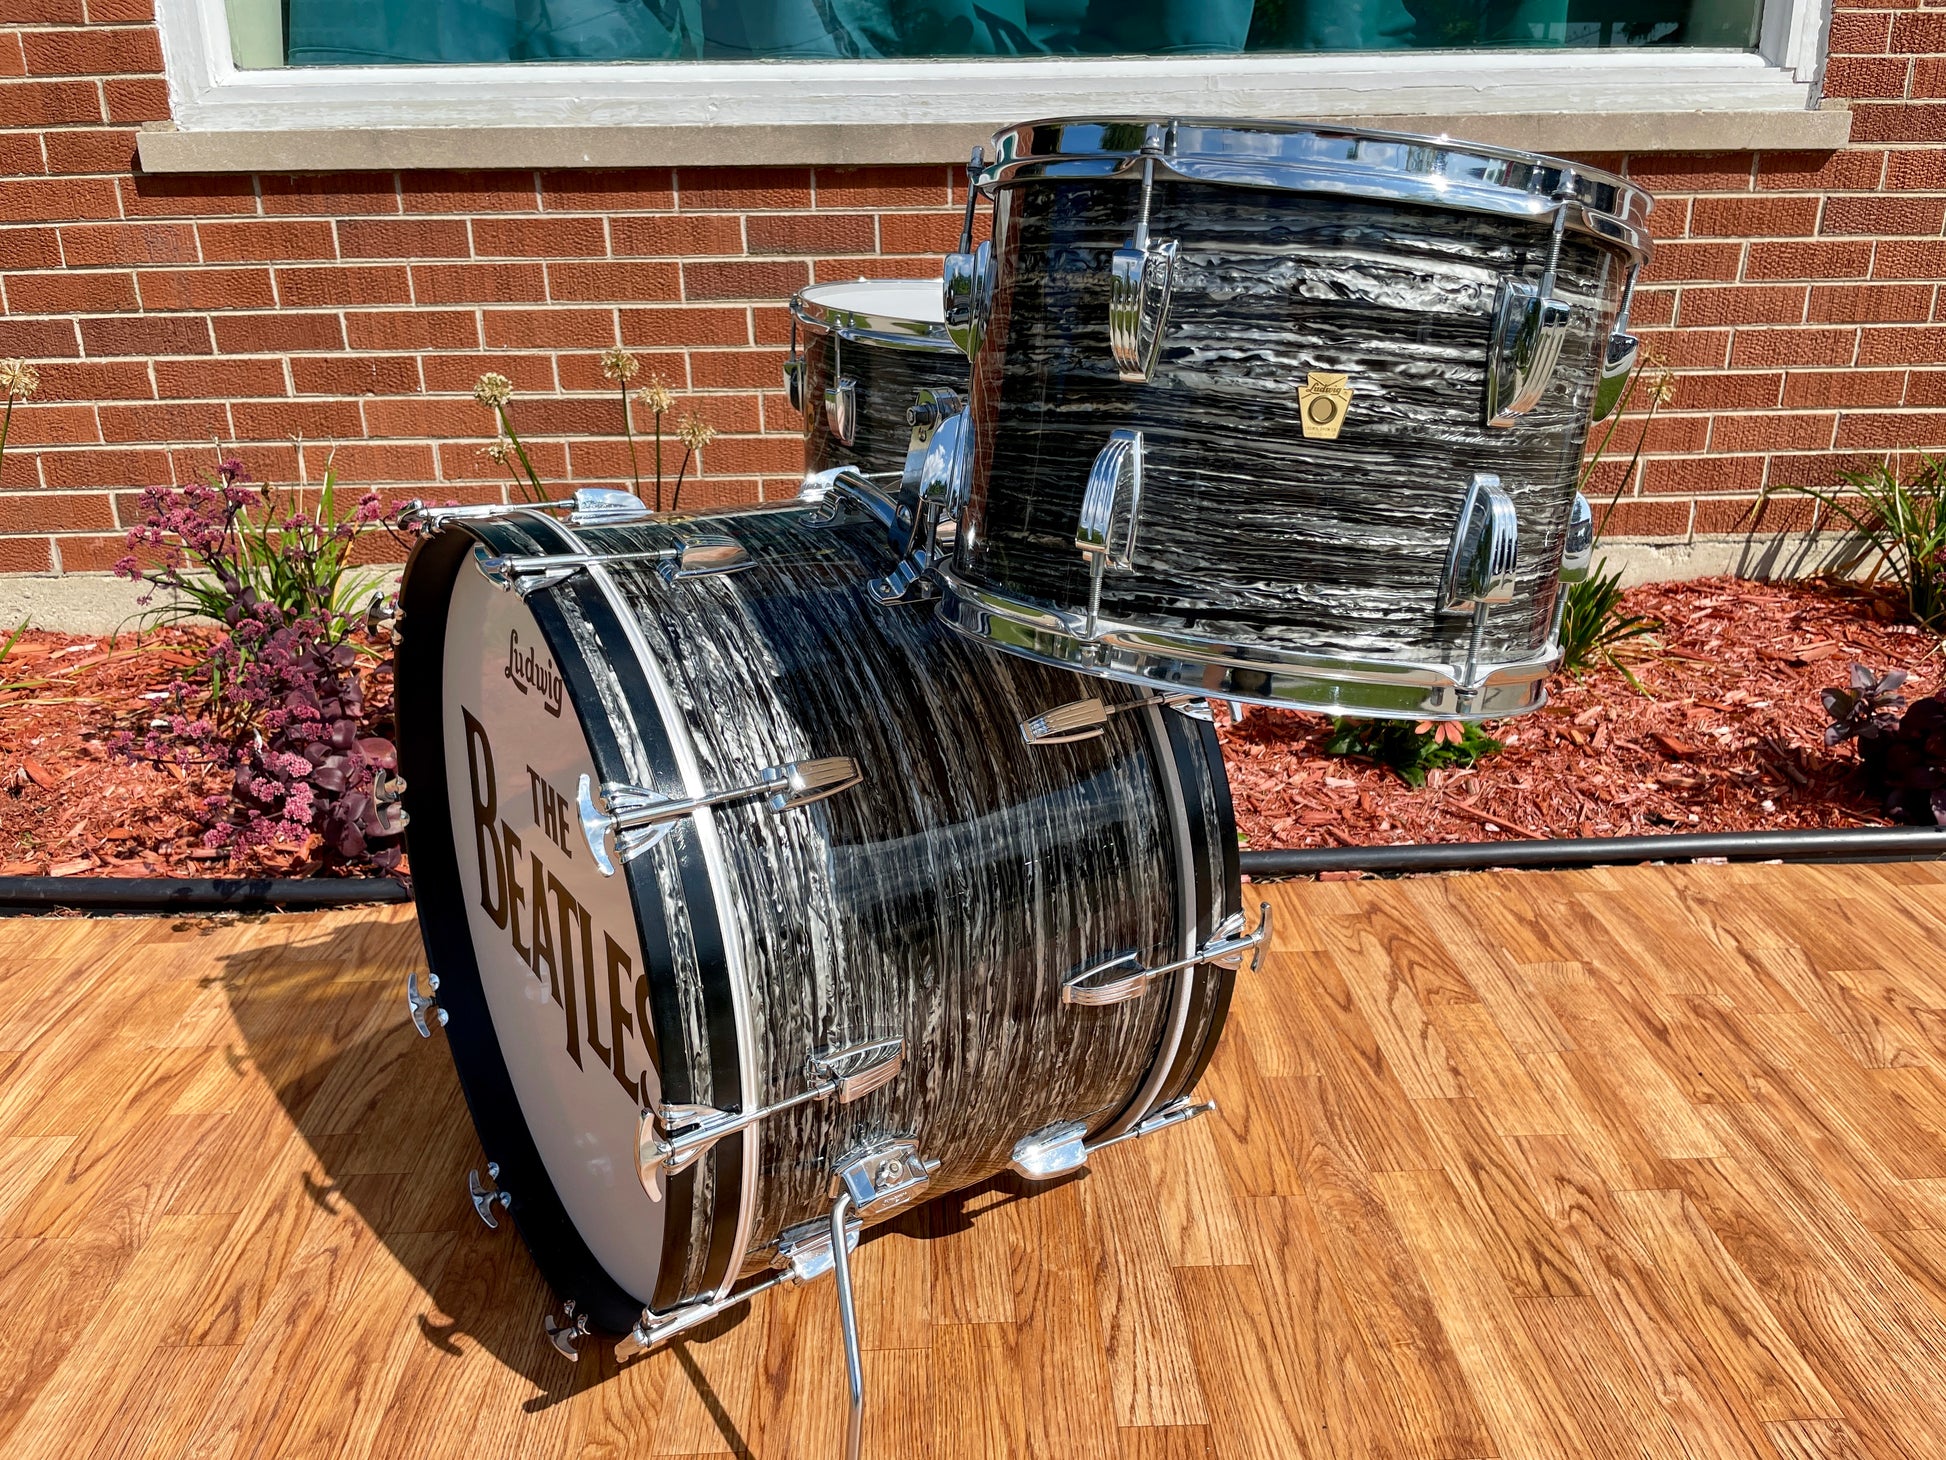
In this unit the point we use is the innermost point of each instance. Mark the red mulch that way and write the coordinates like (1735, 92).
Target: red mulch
(1729, 735)
(70, 807)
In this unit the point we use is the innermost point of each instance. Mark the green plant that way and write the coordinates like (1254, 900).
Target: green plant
(618, 367)
(1902, 519)
(1592, 620)
(1410, 750)
(660, 400)
(1593, 624)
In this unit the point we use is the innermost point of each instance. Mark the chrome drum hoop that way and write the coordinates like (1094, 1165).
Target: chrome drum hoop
(857, 326)
(1252, 674)
(1435, 172)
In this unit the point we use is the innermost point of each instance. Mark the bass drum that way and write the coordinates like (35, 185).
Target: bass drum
(940, 900)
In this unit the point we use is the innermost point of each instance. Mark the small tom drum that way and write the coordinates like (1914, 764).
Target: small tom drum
(861, 352)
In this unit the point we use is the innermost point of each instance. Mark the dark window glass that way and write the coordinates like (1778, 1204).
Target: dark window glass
(368, 32)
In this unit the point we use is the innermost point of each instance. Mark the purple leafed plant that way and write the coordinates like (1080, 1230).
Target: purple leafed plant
(1867, 708)
(1903, 756)
(281, 702)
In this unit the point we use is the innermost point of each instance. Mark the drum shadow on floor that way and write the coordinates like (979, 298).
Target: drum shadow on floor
(323, 1020)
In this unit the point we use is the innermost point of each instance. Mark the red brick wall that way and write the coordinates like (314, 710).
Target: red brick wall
(1795, 296)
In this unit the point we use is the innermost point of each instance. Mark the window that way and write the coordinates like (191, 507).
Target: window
(269, 33)
(326, 84)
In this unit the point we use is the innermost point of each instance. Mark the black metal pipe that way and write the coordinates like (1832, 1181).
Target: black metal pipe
(193, 894)
(292, 894)
(1859, 844)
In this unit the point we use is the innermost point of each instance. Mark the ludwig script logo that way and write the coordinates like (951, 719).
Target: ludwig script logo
(534, 673)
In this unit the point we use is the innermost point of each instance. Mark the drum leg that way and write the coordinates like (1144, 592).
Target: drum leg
(848, 1321)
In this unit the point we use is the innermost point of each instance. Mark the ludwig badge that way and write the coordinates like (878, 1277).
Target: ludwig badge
(1322, 402)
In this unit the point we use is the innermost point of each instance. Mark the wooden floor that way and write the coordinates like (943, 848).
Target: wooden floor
(1644, 1163)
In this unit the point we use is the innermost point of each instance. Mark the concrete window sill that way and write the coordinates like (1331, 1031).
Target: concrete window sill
(165, 149)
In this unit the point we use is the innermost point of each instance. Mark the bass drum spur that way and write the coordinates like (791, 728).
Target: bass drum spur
(744, 891)
(1286, 414)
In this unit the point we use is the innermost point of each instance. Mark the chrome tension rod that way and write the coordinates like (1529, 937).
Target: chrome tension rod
(1226, 950)
(526, 573)
(1058, 1149)
(1086, 719)
(673, 1137)
(638, 818)
(589, 507)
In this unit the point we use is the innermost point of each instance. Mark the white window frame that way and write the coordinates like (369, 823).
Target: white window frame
(208, 93)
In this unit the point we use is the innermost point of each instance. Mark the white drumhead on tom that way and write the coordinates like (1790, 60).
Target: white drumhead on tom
(918, 300)
(559, 957)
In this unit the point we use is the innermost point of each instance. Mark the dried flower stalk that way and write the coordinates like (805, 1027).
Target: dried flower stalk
(695, 433)
(494, 391)
(20, 380)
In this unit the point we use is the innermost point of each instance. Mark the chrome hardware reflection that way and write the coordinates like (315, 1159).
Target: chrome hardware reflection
(966, 278)
(1248, 673)
(1114, 490)
(936, 460)
(931, 489)
(1053, 1150)
(1141, 279)
(487, 1195)
(637, 818)
(966, 282)
(882, 1177)
(567, 1331)
(1485, 549)
(420, 1005)
(841, 408)
(794, 377)
(1578, 550)
(1617, 364)
(588, 507)
(1061, 1148)
(702, 556)
(1618, 357)
(1480, 567)
(527, 574)
(1529, 327)
(846, 486)
(848, 1321)
(804, 1251)
(1088, 719)
(1346, 161)
(804, 1254)
(1092, 988)
(653, 1329)
(672, 1138)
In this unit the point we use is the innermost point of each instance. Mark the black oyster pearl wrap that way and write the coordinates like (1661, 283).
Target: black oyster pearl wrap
(944, 897)
(1249, 532)
(888, 377)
